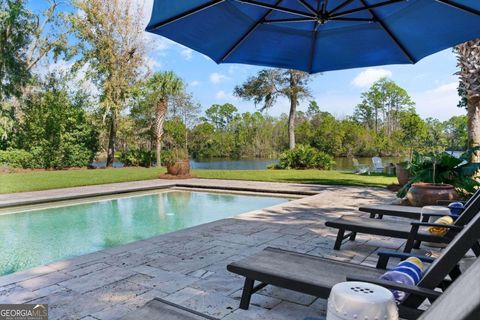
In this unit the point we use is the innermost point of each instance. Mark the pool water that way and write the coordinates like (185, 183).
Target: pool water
(46, 234)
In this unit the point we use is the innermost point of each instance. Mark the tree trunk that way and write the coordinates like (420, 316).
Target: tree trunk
(291, 122)
(474, 127)
(468, 55)
(160, 114)
(111, 140)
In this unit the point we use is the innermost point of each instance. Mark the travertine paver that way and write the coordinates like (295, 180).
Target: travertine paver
(188, 267)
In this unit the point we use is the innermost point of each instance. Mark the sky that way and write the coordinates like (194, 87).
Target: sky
(431, 83)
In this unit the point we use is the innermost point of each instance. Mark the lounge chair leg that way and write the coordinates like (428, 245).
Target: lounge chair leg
(338, 242)
(409, 246)
(417, 244)
(352, 236)
(476, 249)
(411, 242)
(247, 293)
(372, 215)
(455, 273)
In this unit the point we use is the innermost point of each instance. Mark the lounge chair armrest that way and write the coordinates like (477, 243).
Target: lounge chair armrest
(427, 293)
(447, 202)
(385, 255)
(431, 224)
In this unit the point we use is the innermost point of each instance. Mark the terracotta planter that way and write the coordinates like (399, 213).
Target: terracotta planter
(179, 168)
(425, 194)
(403, 176)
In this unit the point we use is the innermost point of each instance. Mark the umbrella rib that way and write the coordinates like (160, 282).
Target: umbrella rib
(248, 33)
(353, 19)
(308, 7)
(459, 6)
(289, 20)
(184, 15)
(276, 7)
(366, 7)
(389, 32)
(314, 41)
(341, 5)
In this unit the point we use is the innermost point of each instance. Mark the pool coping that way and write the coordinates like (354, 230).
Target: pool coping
(54, 195)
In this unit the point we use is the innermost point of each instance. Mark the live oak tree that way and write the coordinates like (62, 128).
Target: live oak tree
(30, 41)
(270, 84)
(468, 55)
(49, 39)
(112, 46)
(16, 31)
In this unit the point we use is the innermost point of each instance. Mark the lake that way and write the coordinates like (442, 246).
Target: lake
(342, 163)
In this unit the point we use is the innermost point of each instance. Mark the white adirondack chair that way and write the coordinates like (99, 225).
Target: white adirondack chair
(360, 168)
(377, 165)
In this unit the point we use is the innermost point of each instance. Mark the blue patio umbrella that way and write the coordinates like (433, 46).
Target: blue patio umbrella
(317, 35)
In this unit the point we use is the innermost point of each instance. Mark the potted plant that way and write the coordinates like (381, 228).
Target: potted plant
(439, 177)
(177, 162)
(402, 172)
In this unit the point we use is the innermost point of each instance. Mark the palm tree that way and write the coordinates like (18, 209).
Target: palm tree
(468, 55)
(158, 90)
(269, 84)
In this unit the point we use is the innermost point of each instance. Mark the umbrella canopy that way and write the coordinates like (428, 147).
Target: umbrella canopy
(317, 35)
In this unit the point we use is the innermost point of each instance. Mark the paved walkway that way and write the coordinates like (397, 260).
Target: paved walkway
(188, 267)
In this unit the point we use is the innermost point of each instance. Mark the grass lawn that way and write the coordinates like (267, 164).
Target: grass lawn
(43, 180)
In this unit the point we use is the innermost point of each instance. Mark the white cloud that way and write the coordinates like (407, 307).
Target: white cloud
(439, 102)
(194, 83)
(218, 77)
(186, 53)
(221, 95)
(367, 77)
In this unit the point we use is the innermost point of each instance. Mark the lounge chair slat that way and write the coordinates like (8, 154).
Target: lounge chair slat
(398, 229)
(317, 274)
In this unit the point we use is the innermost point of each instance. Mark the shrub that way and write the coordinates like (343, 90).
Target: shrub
(169, 157)
(137, 158)
(17, 158)
(305, 157)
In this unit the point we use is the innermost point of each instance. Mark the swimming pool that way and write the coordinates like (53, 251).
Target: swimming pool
(31, 237)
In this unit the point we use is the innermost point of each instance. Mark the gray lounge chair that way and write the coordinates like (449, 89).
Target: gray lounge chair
(378, 211)
(403, 230)
(316, 276)
(461, 301)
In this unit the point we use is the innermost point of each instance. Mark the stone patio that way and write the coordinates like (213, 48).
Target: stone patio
(188, 267)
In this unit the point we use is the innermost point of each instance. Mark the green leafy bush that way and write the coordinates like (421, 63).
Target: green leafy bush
(169, 157)
(16, 158)
(56, 129)
(458, 172)
(137, 158)
(305, 157)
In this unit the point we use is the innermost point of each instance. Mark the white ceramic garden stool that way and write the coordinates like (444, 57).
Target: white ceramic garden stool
(361, 301)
